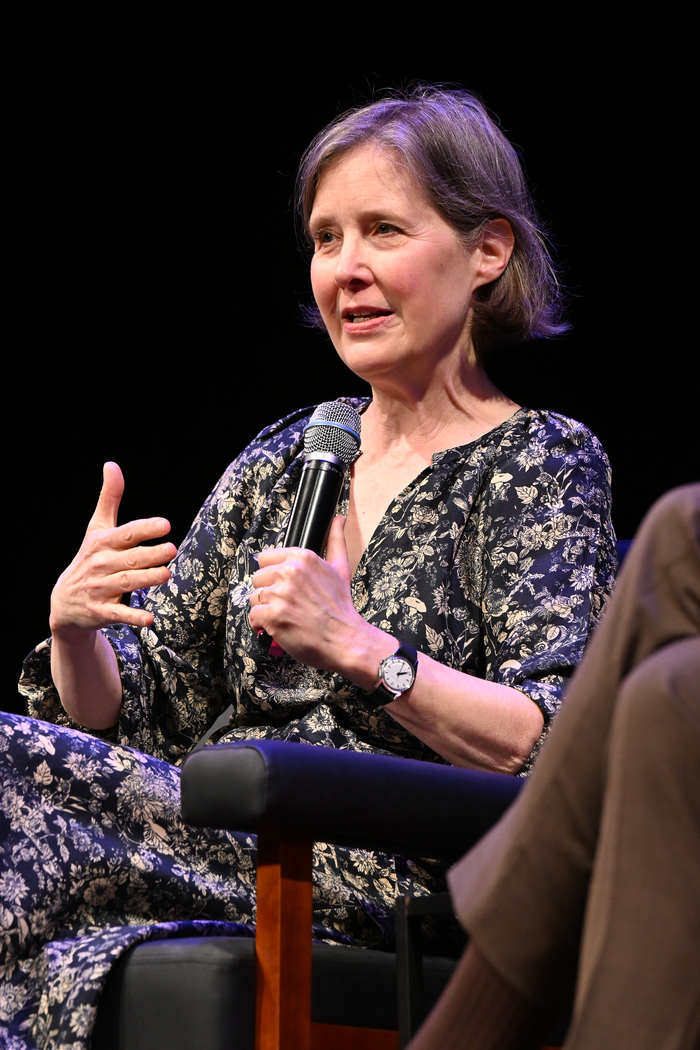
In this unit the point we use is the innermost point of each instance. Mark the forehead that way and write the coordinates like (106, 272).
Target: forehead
(367, 174)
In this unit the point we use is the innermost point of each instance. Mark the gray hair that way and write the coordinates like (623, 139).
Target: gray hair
(471, 174)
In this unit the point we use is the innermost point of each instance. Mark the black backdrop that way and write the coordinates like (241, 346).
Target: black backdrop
(158, 281)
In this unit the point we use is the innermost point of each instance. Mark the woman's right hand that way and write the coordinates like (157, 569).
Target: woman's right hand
(110, 562)
(87, 597)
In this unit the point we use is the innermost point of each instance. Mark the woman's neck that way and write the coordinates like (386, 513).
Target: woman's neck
(400, 435)
(430, 419)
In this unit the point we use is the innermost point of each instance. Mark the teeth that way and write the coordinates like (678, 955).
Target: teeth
(362, 317)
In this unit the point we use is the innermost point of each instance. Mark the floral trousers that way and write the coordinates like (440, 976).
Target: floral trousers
(95, 857)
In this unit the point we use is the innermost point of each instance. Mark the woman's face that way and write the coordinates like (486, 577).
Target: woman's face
(392, 279)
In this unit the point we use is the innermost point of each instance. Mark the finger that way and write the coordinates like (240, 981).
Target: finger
(273, 555)
(336, 548)
(280, 564)
(125, 614)
(263, 594)
(279, 555)
(96, 601)
(114, 572)
(105, 516)
(135, 532)
(127, 581)
(260, 619)
(255, 603)
(147, 557)
(265, 577)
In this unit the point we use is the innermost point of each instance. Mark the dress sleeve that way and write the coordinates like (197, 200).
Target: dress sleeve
(544, 539)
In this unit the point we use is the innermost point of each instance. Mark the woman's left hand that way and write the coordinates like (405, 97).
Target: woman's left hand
(306, 605)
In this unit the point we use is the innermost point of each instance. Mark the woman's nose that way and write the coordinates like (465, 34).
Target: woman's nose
(352, 265)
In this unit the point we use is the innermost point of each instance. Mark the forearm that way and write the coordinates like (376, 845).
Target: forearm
(85, 672)
(470, 722)
(308, 609)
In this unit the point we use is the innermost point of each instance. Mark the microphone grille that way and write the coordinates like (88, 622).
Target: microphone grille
(334, 428)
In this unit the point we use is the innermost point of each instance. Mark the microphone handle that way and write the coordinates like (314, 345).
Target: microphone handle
(313, 511)
(316, 502)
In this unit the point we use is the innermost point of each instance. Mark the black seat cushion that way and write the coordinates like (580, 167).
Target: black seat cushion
(200, 992)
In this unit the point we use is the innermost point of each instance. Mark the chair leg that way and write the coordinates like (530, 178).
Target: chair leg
(283, 941)
(283, 954)
(409, 958)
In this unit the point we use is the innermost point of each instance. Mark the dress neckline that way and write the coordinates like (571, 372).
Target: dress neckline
(443, 458)
(365, 402)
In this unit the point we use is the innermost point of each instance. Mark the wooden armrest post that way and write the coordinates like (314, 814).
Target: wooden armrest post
(283, 941)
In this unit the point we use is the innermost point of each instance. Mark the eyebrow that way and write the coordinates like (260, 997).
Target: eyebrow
(370, 215)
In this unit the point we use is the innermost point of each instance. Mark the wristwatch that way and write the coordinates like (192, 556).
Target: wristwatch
(397, 673)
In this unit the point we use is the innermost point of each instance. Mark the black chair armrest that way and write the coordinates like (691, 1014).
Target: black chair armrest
(345, 797)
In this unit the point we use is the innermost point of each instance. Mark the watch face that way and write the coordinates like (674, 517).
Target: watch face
(397, 673)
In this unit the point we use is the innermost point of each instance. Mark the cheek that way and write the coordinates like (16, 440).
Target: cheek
(416, 281)
(322, 285)
(412, 295)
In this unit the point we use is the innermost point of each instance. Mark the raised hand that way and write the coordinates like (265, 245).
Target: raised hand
(87, 597)
(110, 562)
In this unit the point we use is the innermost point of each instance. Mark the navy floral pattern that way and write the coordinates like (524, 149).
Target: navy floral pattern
(496, 560)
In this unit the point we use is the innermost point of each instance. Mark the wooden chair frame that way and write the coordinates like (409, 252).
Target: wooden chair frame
(290, 796)
(283, 954)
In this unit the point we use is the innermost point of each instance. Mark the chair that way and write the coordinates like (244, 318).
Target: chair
(176, 994)
(292, 795)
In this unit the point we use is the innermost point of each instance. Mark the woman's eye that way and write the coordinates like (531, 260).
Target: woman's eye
(386, 227)
(323, 237)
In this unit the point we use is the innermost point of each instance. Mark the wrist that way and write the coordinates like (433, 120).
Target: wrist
(86, 675)
(396, 676)
(70, 636)
(364, 653)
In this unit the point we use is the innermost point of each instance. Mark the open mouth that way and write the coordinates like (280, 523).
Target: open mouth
(358, 318)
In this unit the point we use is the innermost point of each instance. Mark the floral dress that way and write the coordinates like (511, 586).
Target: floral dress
(496, 560)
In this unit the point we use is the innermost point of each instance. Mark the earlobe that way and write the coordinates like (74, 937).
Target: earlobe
(496, 249)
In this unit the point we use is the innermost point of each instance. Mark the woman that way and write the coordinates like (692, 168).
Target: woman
(473, 530)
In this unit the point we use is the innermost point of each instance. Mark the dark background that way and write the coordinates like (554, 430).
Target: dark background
(156, 281)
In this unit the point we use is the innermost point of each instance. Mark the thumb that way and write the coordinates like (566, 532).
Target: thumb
(105, 516)
(336, 548)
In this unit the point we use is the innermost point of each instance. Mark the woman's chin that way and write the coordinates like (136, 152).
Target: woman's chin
(373, 367)
(370, 358)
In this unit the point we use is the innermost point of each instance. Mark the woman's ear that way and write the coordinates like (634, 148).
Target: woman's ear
(496, 248)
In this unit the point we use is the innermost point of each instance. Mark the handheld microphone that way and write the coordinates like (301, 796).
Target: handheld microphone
(331, 442)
